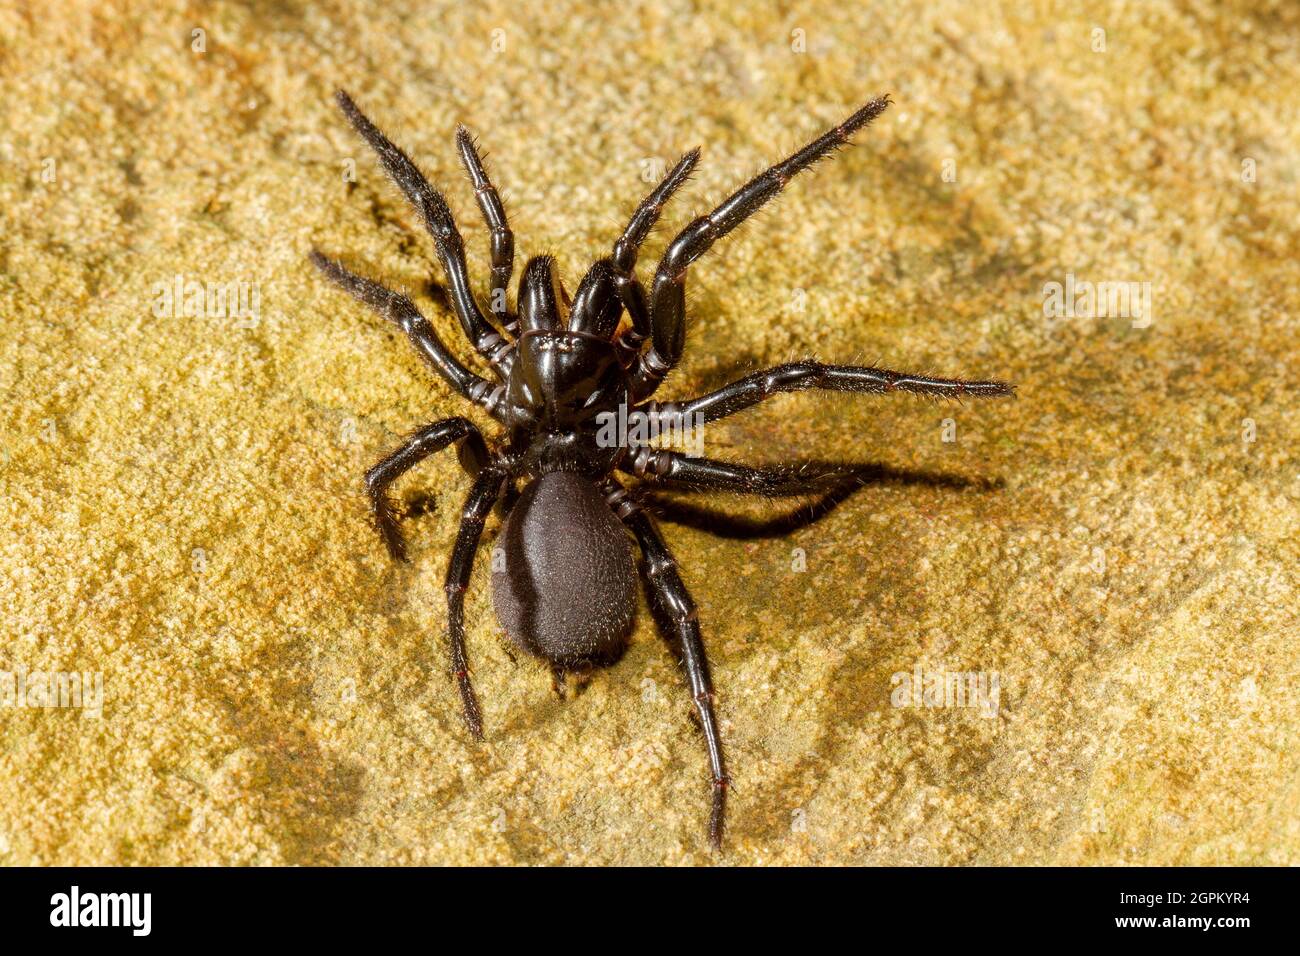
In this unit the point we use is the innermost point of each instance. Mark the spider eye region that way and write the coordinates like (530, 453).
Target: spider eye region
(564, 379)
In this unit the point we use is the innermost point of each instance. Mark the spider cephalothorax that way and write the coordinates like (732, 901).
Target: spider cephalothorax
(565, 589)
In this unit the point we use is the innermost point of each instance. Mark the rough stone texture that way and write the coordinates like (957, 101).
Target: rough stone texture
(182, 508)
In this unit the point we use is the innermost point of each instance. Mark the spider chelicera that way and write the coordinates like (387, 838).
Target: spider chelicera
(564, 587)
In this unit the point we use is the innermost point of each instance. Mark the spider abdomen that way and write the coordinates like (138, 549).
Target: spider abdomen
(563, 581)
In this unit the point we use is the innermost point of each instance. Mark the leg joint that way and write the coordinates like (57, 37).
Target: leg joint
(790, 376)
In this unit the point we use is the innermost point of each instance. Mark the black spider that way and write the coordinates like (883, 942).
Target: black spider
(564, 582)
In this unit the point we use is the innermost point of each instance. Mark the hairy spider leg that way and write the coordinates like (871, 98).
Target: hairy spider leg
(482, 496)
(831, 479)
(668, 292)
(402, 312)
(643, 220)
(423, 443)
(502, 241)
(800, 376)
(772, 481)
(670, 595)
(442, 228)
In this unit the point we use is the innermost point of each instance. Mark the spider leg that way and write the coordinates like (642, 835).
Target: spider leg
(481, 498)
(494, 214)
(402, 312)
(708, 473)
(628, 246)
(799, 376)
(442, 228)
(425, 442)
(670, 596)
(668, 292)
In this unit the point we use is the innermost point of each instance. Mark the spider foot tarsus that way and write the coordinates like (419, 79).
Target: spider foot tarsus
(377, 480)
(423, 443)
(470, 709)
(394, 540)
(717, 816)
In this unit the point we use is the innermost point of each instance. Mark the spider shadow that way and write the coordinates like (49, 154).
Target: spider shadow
(418, 504)
(439, 294)
(679, 510)
(668, 504)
